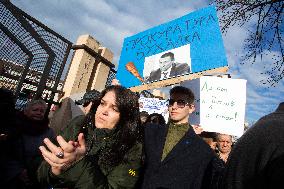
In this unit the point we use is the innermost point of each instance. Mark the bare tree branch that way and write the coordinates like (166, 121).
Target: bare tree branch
(267, 35)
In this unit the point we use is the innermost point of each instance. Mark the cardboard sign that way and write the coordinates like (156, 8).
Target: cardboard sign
(220, 104)
(154, 105)
(190, 44)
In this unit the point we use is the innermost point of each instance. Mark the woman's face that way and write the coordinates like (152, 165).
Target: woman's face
(107, 114)
(35, 112)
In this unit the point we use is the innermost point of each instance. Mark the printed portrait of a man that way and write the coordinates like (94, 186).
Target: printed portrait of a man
(165, 65)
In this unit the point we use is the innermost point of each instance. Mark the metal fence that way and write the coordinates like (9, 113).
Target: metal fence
(111, 76)
(32, 56)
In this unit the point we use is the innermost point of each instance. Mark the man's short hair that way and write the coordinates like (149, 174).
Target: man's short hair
(35, 102)
(212, 135)
(185, 91)
(144, 114)
(218, 136)
(170, 54)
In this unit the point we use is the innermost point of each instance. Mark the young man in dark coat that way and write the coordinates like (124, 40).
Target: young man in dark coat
(175, 156)
(257, 159)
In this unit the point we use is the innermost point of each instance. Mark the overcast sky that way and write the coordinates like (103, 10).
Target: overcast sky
(110, 21)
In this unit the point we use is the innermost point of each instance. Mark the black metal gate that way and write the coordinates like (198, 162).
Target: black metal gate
(32, 56)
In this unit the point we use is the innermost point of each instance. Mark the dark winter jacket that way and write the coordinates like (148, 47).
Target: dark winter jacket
(24, 151)
(257, 159)
(90, 172)
(191, 164)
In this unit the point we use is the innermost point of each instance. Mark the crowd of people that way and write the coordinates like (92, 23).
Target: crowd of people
(116, 146)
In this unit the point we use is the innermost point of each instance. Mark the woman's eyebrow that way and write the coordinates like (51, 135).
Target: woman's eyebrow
(114, 105)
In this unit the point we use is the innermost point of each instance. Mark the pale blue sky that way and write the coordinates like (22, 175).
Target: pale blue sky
(110, 21)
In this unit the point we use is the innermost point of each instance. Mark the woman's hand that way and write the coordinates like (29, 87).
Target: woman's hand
(63, 156)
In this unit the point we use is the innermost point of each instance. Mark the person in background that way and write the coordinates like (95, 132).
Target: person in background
(176, 157)
(24, 156)
(224, 145)
(257, 159)
(210, 139)
(143, 116)
(156, 118)
(99, 150)
(7, 113)
(7, 128)
(88, 99)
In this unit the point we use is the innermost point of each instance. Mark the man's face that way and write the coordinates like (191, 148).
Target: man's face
(165, 63)
(224, 143)
(143, 119)
(177, 113)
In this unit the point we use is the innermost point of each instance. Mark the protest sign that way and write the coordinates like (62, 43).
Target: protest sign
(154, 105)
(190, 44)
(220, 104)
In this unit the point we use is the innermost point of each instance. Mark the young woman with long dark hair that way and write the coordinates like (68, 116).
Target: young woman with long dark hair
(100, 150)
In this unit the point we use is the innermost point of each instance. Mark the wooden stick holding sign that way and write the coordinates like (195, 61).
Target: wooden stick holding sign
(176, 80)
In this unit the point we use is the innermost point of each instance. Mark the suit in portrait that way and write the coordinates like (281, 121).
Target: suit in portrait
(177, 69)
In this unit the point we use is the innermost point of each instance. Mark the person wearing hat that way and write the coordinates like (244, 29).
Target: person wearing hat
(89, 99)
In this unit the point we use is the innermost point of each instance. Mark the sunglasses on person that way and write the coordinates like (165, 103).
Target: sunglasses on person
(180, 103)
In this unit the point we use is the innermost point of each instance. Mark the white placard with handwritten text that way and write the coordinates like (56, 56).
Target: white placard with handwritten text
(220, 104)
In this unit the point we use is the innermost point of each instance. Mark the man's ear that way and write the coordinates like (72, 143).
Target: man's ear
(191, 108)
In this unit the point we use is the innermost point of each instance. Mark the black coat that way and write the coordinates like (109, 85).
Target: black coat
(190, 164)
(24, 153)
(257, 159)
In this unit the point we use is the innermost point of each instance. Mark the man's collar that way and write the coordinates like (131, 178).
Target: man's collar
(168, 70)
(178, 124)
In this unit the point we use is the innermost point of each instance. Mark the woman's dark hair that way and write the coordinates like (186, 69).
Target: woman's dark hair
(156, 118)
(127, 131)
